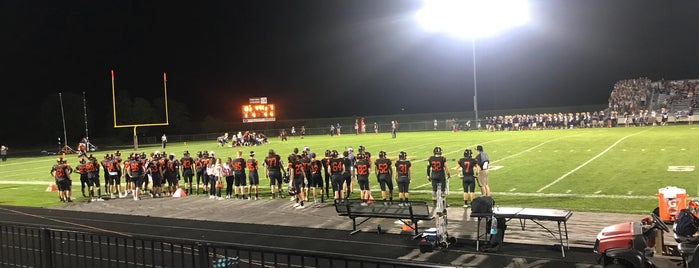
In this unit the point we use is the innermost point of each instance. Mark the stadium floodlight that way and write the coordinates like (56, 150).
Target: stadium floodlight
(472, 19)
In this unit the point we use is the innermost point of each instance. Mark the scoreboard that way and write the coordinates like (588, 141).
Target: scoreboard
(258, 111)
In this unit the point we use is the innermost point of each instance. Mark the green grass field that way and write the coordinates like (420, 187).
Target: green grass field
(610, 170)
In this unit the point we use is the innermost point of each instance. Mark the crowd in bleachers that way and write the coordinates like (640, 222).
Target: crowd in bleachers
(630, 95)
(679, 90)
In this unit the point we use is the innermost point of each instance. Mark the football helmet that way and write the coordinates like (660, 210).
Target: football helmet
(437, 150)
(334, 153)
(382, 154)
(327, 153)
(468, 153)
(402, 155)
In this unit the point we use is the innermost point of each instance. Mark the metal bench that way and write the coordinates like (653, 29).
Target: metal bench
(414, 212)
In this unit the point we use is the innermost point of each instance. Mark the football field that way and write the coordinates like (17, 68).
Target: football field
(611, 169)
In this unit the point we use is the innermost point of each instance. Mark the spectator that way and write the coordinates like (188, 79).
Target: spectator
(3, 152)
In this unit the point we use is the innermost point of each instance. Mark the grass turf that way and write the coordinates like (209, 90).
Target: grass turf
(609, 170)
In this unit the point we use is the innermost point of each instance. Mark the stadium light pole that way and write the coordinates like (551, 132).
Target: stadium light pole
(472, 19)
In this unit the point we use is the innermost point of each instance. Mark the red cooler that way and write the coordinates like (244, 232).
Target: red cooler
(670, 201)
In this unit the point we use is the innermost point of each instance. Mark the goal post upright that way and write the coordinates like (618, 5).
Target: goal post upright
(134, 126)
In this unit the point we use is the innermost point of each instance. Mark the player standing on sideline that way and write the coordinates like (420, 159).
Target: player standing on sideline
(347, 174)
(253, 176)
(200, 169)
(83, 175)
(239, 175)
(155, 172)
(483, 164)
(436, 167)
(403, 178)
(273, 170)
(113, 171)
(136, 172)
(326, 168)
(306, 172)
(93, 178)
(172, 174)
(61, 173)
(316, 180)
(353, 174)
(394, 128)
(376, 128)
(384, 174)
(337, 168)
(468, 165)
(104, 163)
(187, 169)
(297, 178)
(362, 167)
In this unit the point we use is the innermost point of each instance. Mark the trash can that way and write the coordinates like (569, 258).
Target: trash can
(670, 201)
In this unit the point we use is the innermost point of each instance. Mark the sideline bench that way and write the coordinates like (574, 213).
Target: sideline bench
(536, 215)
(352, 208)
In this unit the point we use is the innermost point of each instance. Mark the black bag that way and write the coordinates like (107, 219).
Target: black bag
(685, 224)
(496, 239)
(482, 204)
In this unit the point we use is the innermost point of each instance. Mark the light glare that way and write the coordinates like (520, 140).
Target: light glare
(472, 18)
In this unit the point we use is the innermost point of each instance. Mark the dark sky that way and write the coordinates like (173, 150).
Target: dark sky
(332, 58)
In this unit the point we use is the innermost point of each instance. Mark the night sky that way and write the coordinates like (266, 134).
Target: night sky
(330, 58)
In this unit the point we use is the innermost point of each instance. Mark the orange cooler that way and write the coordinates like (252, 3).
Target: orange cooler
(670, 201)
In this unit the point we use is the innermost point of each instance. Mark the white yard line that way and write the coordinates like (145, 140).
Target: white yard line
(28, 182)
(531, 148)
(588, 161)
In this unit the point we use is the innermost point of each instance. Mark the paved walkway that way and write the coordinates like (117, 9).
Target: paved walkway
(277, 218)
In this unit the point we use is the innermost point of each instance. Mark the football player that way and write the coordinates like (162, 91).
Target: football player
(436, 169)
(172, 176)
(61, 173)
(362, 168)
(384, 174)
(316, 180)
(403, 178)
(273, 170)
(337, 168)
(297, 172)
(188, 171)
(239, 175)
(468, 180)
(252, 175)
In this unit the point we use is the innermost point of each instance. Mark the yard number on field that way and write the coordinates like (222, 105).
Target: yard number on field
(680, 168)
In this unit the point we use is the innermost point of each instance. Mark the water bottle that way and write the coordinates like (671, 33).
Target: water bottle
(493, 225)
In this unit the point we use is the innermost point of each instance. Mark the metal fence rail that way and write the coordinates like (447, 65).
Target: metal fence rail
(28, 246)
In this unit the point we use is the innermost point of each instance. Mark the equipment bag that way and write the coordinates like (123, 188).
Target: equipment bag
(498, 238)
(482, 204)
(686, 223)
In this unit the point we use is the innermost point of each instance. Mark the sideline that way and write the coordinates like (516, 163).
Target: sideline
(589, 161)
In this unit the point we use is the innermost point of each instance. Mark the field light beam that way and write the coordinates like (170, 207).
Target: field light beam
(472, 19)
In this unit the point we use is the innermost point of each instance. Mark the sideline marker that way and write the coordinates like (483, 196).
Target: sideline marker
(51, 188)
(179, 193)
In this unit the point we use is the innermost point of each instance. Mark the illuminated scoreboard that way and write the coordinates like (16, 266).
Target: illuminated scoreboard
(258, 111)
